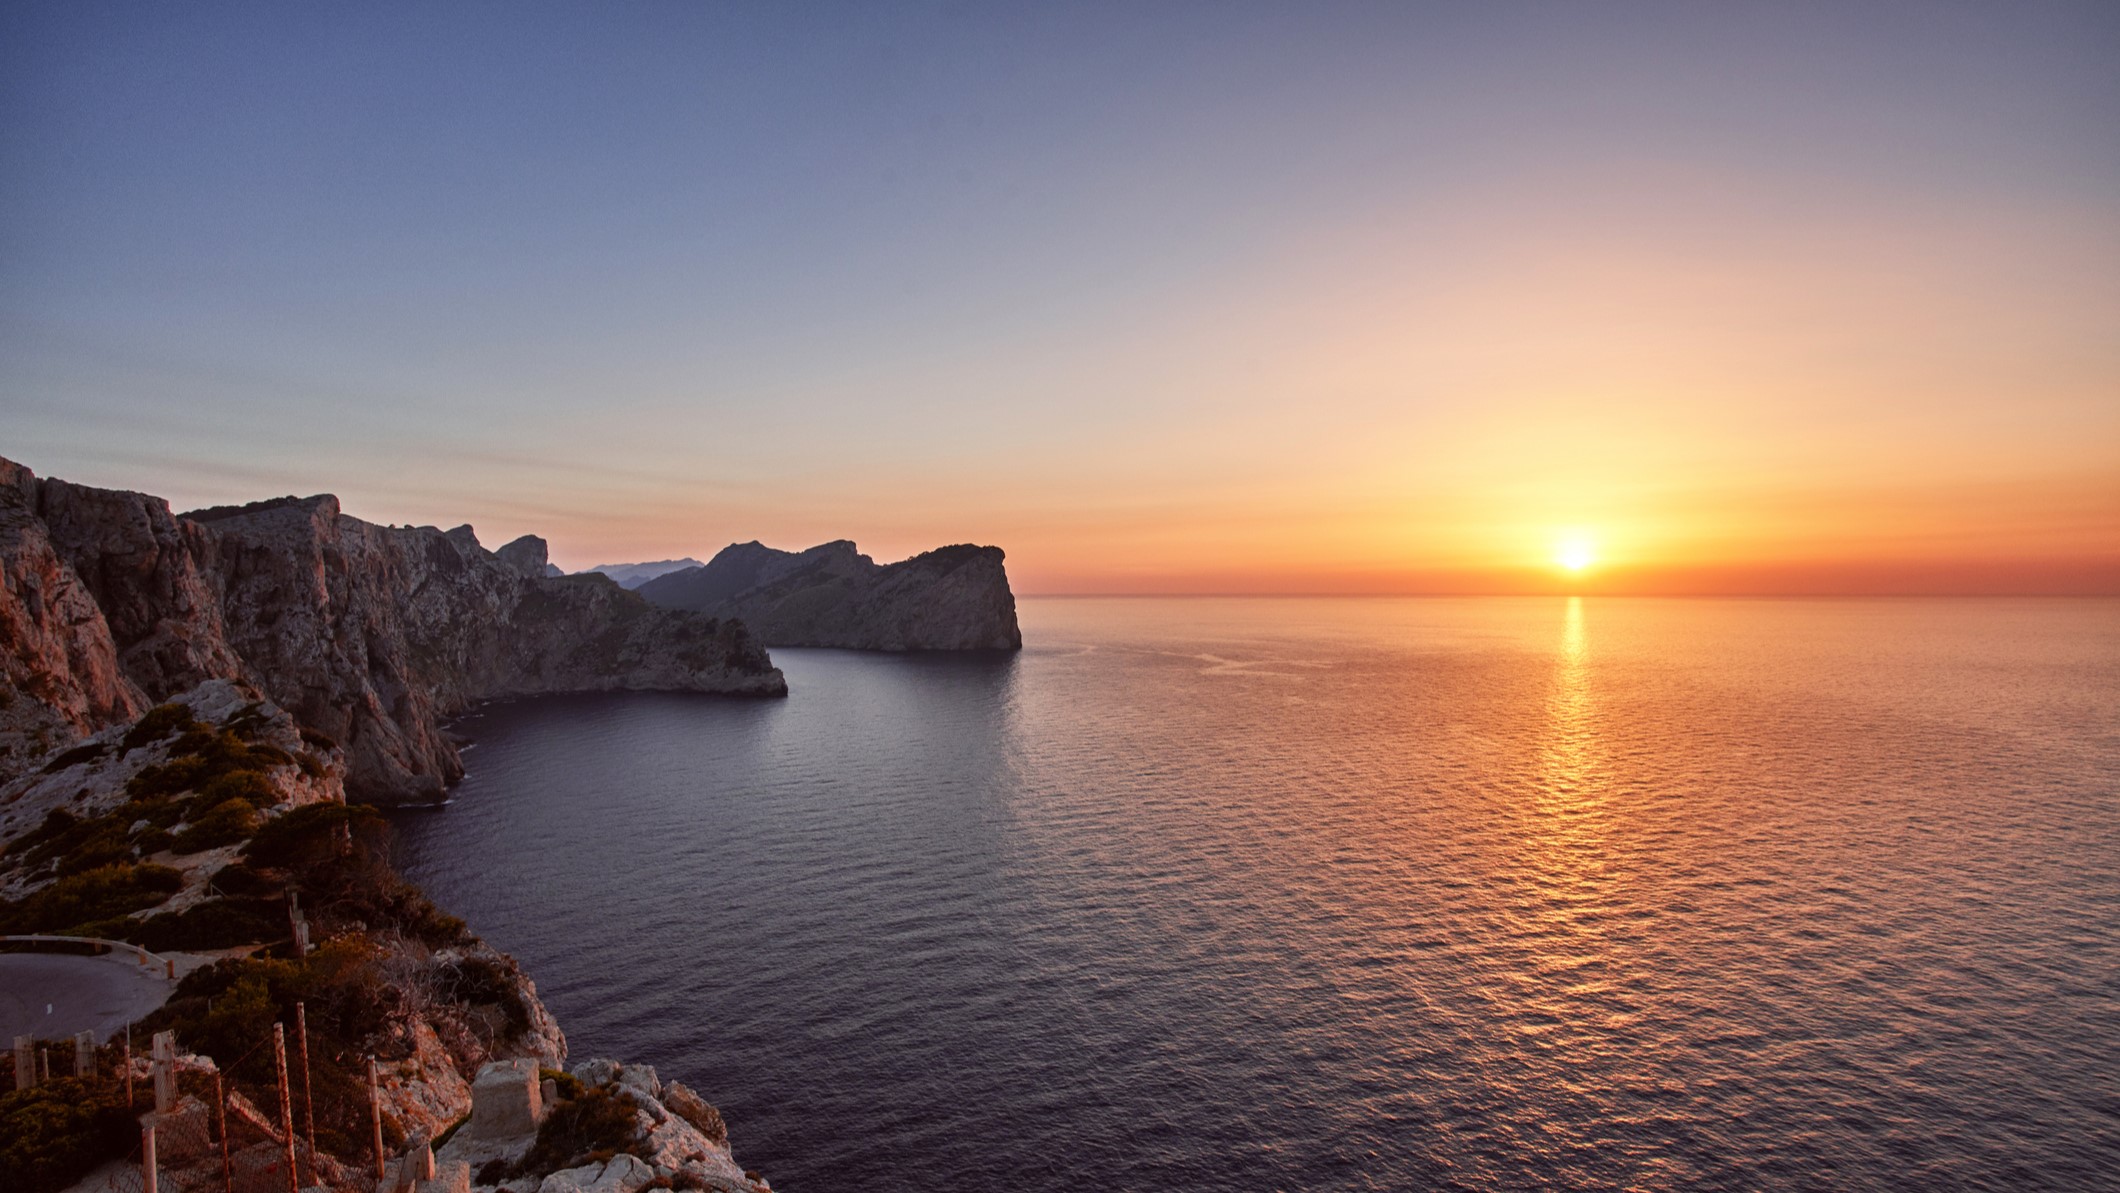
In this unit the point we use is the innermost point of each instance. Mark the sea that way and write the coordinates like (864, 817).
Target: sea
(1294, 894)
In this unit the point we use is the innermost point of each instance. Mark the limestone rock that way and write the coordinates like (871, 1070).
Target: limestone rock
(951, 598)
(689, 1106)
(506, 1101)
(369, 635)
(89, 779)
(525, 555)
(57, 657)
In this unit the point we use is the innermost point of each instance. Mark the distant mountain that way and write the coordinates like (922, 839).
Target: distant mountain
(951, 598)
(633, 575)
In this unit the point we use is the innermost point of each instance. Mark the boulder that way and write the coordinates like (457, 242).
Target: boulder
(506, 1100)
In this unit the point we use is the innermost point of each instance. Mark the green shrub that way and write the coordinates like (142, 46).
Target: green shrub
(227, 822)
(226, 1011)
(160, 721)
(56, 822)
(307, 834)
(595, 1126)
(53, 1133)
(152, 839)
(100, 894)
(95, 844)
(250, 786)
(87, 752)
(174, 777)
(483, 981)
(239, 879)
(214, 924)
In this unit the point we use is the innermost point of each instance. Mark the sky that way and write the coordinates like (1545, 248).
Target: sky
(1220, 297)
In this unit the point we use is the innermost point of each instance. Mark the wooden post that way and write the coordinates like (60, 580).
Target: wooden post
(220, 1110)
(309, 1106)
(147, 1155)
(165, 1062)
(84, 1053)
(25, 1063)
(279, 1064)
(375, 1111)
(128, 1067)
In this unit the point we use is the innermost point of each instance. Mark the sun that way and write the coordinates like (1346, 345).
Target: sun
(1575, 553)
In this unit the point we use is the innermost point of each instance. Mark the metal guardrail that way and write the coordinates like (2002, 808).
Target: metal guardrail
(155, 961)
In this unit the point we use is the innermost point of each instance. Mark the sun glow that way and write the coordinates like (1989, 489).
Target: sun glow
(1575, 553)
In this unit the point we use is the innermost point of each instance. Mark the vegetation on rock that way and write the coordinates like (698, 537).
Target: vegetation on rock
(53, 1133)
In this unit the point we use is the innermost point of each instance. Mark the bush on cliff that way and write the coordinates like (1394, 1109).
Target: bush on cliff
(99, 894)
(590, 1128)
(226, 1011)
(52, 1134)
(337, 855)
(205, 756)
(158, 723)
(215, 924)
(225, 823)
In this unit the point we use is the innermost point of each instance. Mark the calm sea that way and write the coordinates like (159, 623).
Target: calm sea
(1351, 894)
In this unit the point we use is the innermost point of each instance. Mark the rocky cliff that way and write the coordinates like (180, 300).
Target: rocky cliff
(202, 831)
(371, 636)
(951, 598)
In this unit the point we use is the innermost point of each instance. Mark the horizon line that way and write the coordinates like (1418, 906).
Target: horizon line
(1671, 596)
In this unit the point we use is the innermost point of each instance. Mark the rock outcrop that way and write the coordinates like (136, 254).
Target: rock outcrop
(951, 598)
(370, 635)
(676, 1140)
(464, 1050)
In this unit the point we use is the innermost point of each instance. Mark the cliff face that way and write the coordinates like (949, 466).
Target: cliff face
(193, 832)
(57, 656)
(951, 598)
(371, 635)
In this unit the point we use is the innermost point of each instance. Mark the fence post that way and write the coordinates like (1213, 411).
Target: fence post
(25, 1064)
(84, 1053)
(165, 1061)
(128, 1067)
(220, 1110)
(309, 1106)
(147, 1155)
(279, 1062)
(375, 1112)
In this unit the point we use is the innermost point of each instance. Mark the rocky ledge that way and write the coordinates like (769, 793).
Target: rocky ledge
(370, 636)
(951, 598)
(214, 831)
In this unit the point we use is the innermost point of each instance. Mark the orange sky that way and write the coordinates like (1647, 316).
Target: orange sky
(1750, 298)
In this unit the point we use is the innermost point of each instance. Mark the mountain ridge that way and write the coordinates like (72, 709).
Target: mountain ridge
(370, 635)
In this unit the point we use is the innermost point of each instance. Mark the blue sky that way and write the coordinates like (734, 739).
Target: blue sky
(1177, 289)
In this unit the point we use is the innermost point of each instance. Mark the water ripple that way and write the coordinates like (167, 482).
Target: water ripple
(1214, 895)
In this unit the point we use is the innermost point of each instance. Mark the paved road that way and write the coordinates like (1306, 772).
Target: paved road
(99, 994)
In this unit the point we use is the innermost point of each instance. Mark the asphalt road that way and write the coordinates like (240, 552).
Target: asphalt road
(51, 996)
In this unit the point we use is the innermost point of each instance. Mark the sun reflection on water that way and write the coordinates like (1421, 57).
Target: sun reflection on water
(1567, 753)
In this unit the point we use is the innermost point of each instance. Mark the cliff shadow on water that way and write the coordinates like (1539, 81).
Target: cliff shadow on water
(637, 850)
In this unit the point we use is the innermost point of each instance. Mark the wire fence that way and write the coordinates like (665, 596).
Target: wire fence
(165, 1122)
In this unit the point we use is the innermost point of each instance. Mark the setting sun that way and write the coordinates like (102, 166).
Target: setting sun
(1575, 554)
